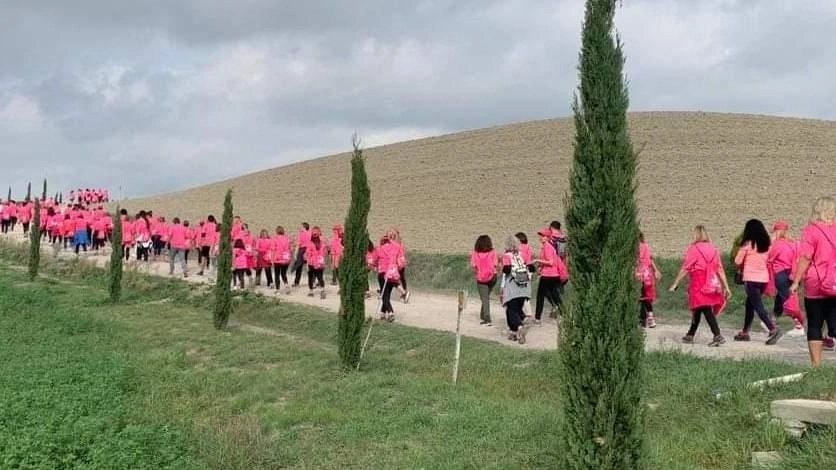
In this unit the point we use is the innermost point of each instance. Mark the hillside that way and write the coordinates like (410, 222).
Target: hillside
(442, 192)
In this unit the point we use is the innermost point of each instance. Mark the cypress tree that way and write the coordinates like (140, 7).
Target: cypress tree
(28, 192)
(9, 197)
(35, 242)
(43, 197)
(353, 276)
(116, 257)
(601, 347)
(223, 283)
(60, 198)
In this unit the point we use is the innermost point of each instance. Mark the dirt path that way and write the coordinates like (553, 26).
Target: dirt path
(438, 311)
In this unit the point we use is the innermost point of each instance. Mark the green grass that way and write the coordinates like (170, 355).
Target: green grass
(150, 382)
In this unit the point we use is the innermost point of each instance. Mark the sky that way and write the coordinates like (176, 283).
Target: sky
(153, 96)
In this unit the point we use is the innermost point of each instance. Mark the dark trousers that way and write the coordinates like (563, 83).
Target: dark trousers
(754, 304)
(697, 314)
(142, 253)
(268, 273)
(127, 251)
(782, 288)
(80, 245)
(25, 228)
(485, 289)
(280, 274)
(239, 276)
(514, 313)
(4, 226)
(549, 288)
(158, 243)
(645, 307)
(386, 298)
(819, 312)
(298, 265)
(315, 276)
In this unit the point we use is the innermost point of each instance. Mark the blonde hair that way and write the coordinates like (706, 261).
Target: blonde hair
(824, 210)
(512, 243)
(701, 234)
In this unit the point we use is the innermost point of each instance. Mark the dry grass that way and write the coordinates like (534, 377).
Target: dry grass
(716, 169)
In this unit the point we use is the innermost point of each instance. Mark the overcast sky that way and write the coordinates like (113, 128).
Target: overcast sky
(159, 95)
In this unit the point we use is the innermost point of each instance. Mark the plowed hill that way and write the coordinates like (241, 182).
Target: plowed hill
(442, 192)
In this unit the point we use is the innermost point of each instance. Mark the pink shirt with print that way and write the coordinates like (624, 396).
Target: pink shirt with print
(817, 245)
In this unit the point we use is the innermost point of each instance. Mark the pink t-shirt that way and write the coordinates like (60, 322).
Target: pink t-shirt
(127, 232)
(210, 234)
(264, 246)
(240, 258)
(817, 245)
(303, 238)
(783, 255)
(753, 264)
(645, 256)
(484, 265)
(281, 250)
(557, 268)
(525, 253)
(699, 256)
(387, 257)
(315, 257)
(178, 237)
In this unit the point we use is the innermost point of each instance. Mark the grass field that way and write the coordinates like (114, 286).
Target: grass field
(150, 384)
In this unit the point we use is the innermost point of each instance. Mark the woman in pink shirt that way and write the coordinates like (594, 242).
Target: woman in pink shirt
(781, 261)
(80, 239)
(208, 232)
(282, 256)
(178, 238)
(395, 239)
(553, 275)
(752, 260)
(127, 233)
(483, 262)
(647, 274)
(817, 270)
(240, 261)
(707, 285)
(528, 258)
(388, 267)
(336, 253)
(263, 262)
(142, 237)
(302, 240)
(315, 255)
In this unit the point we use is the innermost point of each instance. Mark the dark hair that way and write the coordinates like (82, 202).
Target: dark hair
(483, 244)
(186, 223)
(123, 212)
(370, 247)
(755, 233)
(641, 237)
(523, 238)
(175, 220)
(555, 225)
(239, 244)
(305, 224)
(211, 218)
(280, 230)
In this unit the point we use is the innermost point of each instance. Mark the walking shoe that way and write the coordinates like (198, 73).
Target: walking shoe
(828, 344)
(512, 336)
(717, 341)
(774, 336)
(688, 339)
(482, 322)
(538, 322)
(310, 294)
(742, 336)
(651, 321)
(521, 335)
(390, 318)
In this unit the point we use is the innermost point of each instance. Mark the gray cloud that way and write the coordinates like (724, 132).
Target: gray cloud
(158, 95)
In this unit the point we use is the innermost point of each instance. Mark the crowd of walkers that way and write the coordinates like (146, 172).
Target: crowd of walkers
(773, 265)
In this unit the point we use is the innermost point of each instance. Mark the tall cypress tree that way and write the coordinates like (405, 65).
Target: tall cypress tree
(223, 283)
(601, 347)
(43, 197)
(35, 242)
(353, 276)
(28, 192)
(60, 198)
(9, 197)
(116, 257)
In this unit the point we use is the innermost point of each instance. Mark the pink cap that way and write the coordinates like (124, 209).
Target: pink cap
(545, 232)
(780, 225)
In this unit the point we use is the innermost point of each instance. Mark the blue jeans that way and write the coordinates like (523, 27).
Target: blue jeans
(782, 287)
(754, 304)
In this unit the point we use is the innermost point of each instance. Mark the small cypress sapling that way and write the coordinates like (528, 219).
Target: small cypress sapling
(35, 242)
(116, 256)
(353, 276)
(9, 197)
(43, 197)
(223, 283)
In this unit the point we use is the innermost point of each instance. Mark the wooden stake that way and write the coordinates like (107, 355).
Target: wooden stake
(461, 302)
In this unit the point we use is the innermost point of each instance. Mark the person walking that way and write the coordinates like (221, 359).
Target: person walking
(178, 239)
(816, 269)
(647, 274)
(781, 261)
(751, 260)
(708, 288)
(483, 263)
(553, 274)
(515, 288)
(302, 241)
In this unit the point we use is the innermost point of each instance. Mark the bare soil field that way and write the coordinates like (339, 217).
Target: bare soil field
(442, 192)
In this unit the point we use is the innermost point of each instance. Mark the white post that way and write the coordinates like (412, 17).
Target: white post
(461, 300)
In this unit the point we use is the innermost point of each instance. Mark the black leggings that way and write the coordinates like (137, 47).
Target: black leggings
(386, 299)
(315, 275)
(280, 274)
(402, 272)
(158, 243)
(709, 317)
(239, 276)
(646, 307)
(819, 312)
(142, 253)
(298, 265)
(127, 251)
(547, 289)
(514, 313)
(268, 273)
(754, 304)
